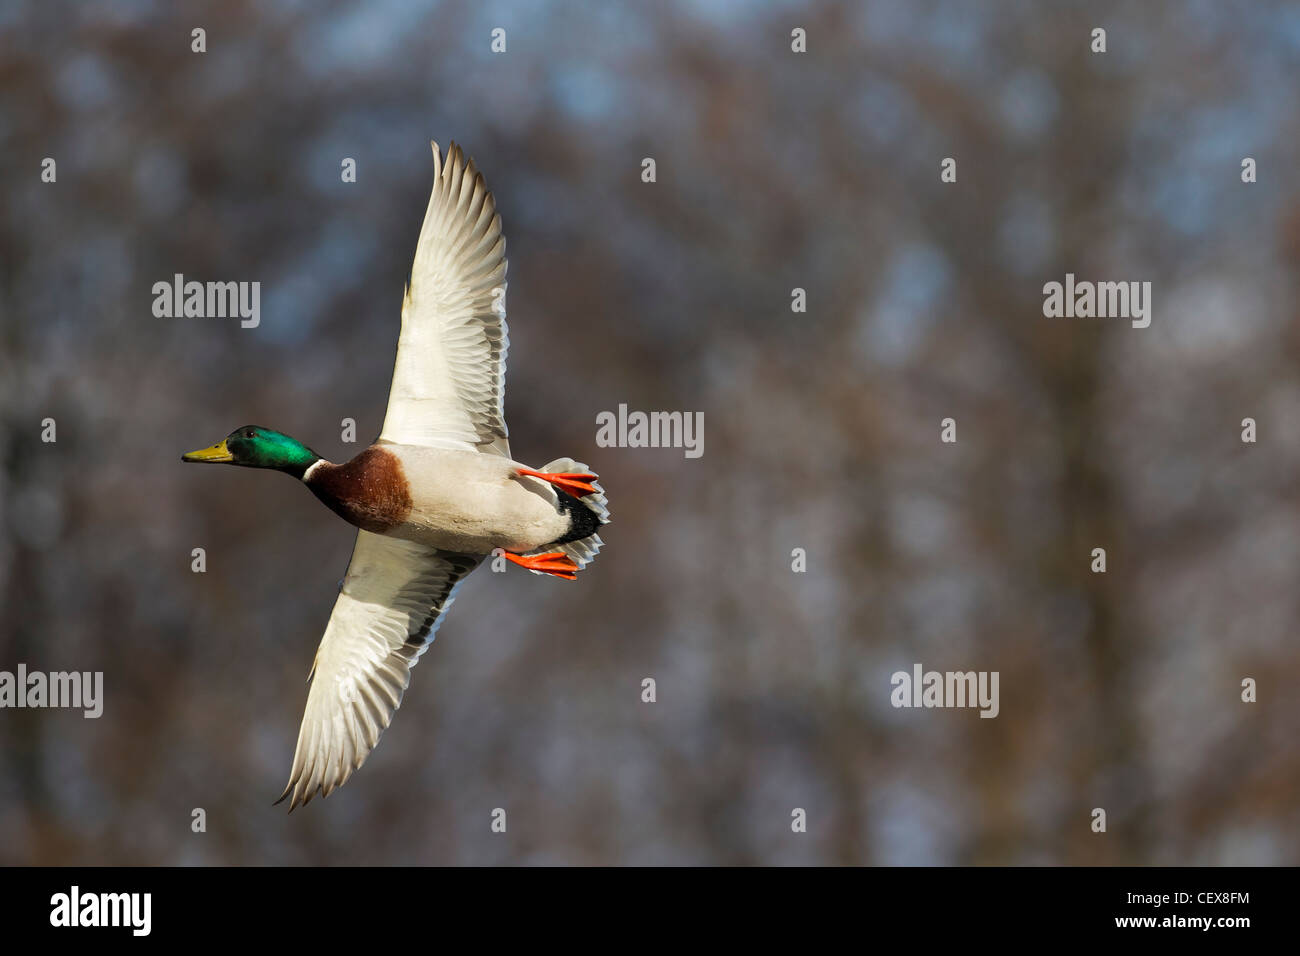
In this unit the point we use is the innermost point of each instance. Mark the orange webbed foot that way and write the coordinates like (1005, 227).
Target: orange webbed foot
(553, 562)
(575, 483)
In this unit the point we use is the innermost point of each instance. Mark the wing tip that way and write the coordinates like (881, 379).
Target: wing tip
(301, 796)
(293, 804)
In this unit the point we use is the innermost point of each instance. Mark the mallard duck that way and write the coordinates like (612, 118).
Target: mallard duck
(434, 495)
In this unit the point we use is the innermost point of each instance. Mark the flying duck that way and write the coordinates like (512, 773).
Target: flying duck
(437, 492)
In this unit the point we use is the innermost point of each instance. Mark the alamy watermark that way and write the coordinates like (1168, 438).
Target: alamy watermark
(75, 689)
(75, 908)
(1102, 300)
(217, 300)
(635, 429)
(922, 688)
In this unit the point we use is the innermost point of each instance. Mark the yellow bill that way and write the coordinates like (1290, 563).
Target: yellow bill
(217, 453)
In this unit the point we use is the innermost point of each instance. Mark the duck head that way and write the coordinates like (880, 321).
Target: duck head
(255, 447)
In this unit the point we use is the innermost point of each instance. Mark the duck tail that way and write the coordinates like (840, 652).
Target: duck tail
(589, 512)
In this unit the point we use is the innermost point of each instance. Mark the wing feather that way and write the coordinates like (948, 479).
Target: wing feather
(449, 378)
(388, 610)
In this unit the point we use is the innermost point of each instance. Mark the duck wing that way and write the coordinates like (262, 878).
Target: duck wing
(449, 377)
(388, 610)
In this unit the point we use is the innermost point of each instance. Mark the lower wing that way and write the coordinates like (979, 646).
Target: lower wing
(388, 610)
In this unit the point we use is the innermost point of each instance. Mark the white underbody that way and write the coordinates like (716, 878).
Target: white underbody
(472, 503)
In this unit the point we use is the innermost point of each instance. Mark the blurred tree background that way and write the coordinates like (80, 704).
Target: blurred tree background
(775, 170)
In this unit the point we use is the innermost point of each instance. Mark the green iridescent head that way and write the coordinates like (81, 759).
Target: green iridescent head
(255, 447)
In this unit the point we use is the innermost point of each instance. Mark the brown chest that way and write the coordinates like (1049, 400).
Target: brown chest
(370, 491)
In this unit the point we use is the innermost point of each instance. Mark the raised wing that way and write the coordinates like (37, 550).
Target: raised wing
(449, 378)
(387, 613)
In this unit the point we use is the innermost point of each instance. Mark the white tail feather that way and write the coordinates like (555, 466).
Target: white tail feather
(585, 549)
